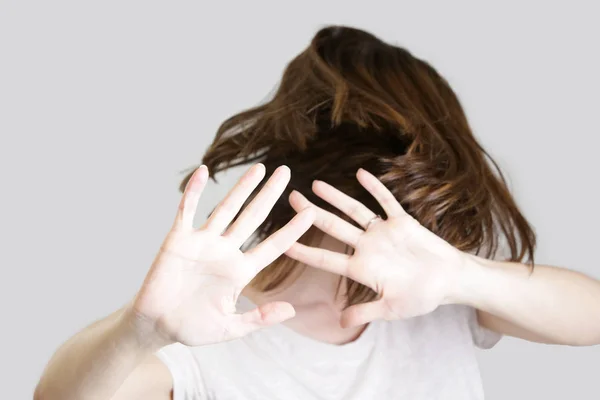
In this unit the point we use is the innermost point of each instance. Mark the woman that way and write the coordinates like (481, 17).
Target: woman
(388, 293)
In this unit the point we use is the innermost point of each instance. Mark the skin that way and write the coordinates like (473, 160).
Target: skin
(188, 296)
(191, 288)
(415, 271)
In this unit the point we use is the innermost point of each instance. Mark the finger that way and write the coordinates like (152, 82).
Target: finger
(384, 197)
(232, 203)
(258, 209)
(265, 315)
(320, 258)
(275, 245)
(327, 222)
(361, 314)
(346, 204)
(190, 198)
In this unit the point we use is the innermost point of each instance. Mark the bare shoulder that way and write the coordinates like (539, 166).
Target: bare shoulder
(151, 380)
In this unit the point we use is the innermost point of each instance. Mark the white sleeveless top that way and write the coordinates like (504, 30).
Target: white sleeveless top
(427, 357)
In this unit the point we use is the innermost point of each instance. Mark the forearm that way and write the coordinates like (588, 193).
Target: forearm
(94, 363)
(554, 303)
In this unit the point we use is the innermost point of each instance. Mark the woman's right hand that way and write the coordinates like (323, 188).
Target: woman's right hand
(190, 292)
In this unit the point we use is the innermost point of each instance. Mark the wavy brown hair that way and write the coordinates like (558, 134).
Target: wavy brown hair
(351, 100)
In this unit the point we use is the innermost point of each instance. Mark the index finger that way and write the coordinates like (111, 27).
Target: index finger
(331, 261)
(275, 245)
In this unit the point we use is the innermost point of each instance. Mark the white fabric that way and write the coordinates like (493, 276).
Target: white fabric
(428, 357)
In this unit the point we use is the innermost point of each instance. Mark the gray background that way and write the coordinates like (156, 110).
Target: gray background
(102, 104)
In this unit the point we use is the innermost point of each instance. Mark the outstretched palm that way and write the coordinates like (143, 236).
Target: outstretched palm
(191, 290)
(411, 268)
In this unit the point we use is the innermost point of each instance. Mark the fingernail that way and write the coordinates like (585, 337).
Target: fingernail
(282, 171)
(258, 169)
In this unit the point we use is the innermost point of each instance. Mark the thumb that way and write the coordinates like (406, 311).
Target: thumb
(261, 317)
(360, 314)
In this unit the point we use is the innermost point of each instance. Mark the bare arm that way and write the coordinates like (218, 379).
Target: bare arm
(188, 296)
(415, 271)
(550, 305)
(96, 362)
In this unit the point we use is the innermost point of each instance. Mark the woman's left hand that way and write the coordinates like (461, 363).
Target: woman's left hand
(412, 270)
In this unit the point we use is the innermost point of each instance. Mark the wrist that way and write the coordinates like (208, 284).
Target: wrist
(142, 331)
(468, 281)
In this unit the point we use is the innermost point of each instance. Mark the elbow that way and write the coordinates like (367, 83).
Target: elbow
(584, 342)
(578, 340)
(587, 335)
(42, 392)
(38, 394)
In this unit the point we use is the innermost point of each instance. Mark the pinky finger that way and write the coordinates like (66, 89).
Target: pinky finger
(191, 197)
(261, 317)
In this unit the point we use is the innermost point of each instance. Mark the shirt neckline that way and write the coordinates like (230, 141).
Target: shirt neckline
(297, 344)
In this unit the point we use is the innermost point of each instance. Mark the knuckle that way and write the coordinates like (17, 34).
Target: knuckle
(328, 224)
(226, 206)
(389, 199)
(322, 260)
(353, 210)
